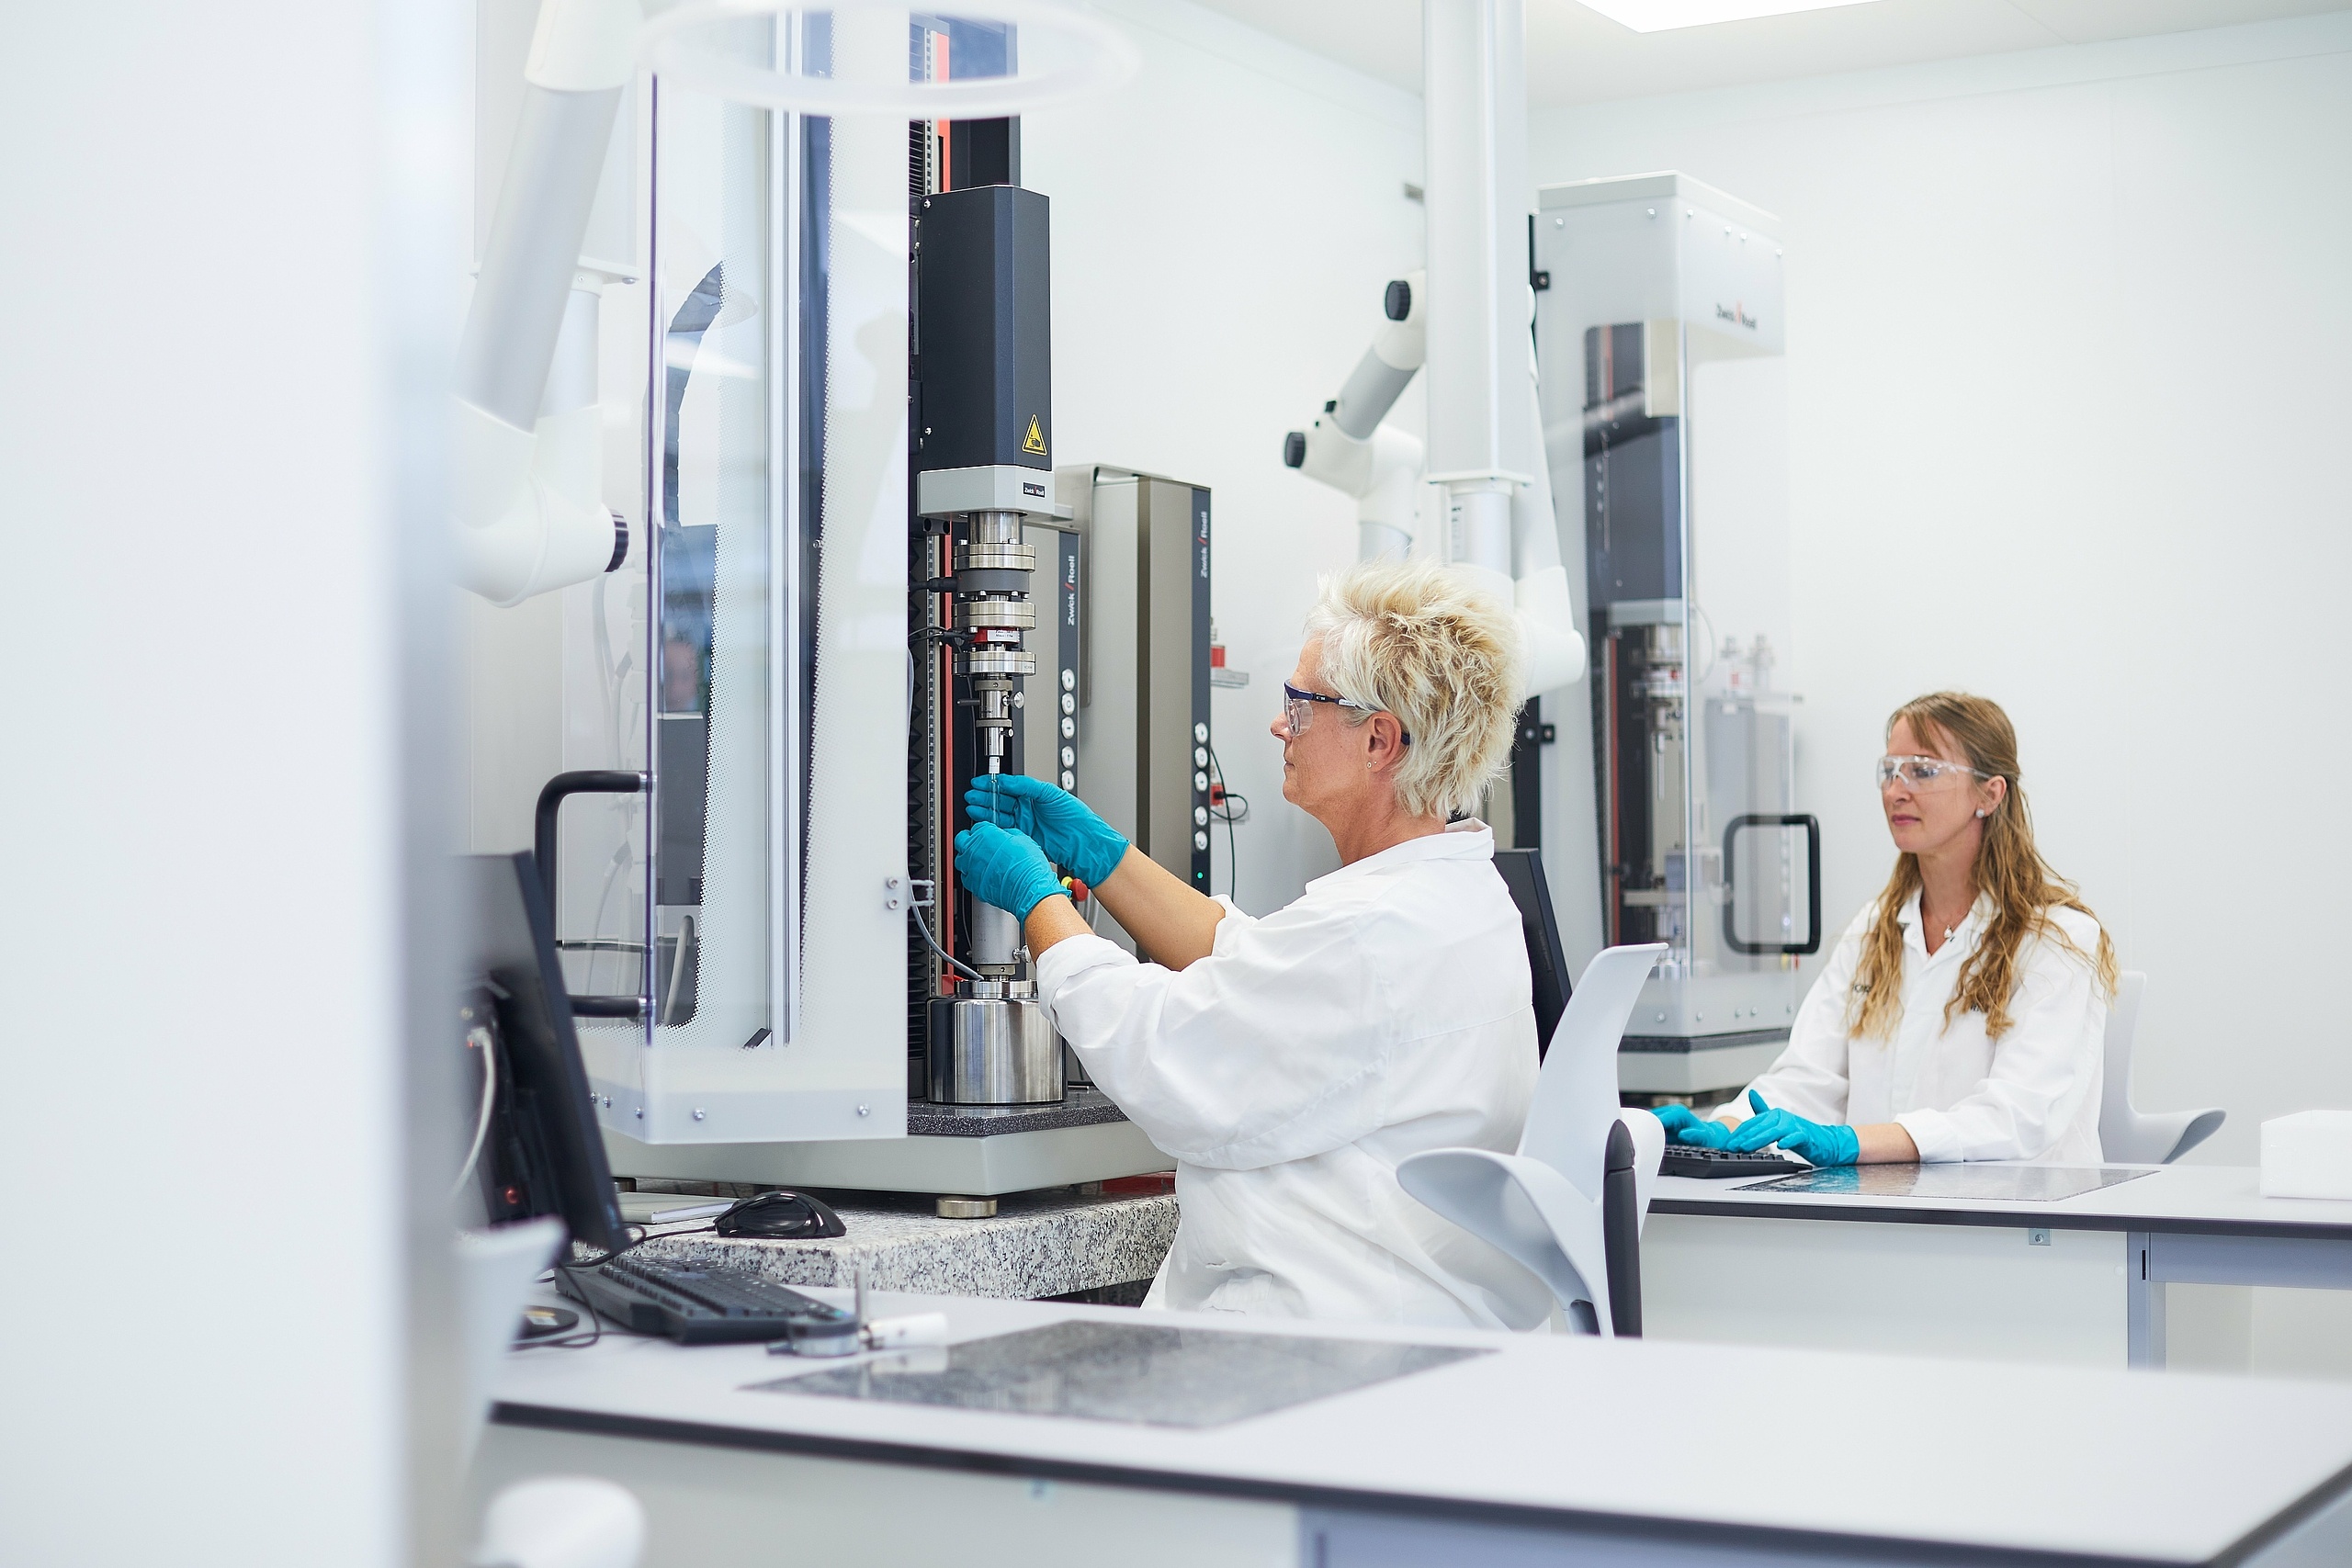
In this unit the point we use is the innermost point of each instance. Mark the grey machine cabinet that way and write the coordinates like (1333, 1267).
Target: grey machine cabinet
(1142, 716)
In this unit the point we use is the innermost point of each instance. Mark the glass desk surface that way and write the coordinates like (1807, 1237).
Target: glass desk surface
(1133, 1372)
(2013, 1183)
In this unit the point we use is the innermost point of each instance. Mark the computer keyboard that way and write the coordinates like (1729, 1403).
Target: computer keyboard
(694, 1304)
(1721, 1165)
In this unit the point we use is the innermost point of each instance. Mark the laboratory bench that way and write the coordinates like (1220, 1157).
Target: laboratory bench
(1936, 1270)
(1047, 1434)
(1060, 1243)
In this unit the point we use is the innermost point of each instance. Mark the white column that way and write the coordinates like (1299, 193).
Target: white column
(1475, 87)
(229, 295)
(852, 1037)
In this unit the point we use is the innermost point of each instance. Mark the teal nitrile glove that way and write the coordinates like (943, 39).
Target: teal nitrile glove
(1070, 833)
(1004, 869)
(1684, 1125)
(1832, 1144)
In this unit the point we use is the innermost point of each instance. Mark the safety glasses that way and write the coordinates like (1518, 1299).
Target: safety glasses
(1299, 707)
(1926, 773)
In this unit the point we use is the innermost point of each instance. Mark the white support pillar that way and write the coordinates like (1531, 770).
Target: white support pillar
(1475, 86)
(1485, 445)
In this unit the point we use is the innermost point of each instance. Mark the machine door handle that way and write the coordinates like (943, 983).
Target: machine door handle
(594, 780)
(1812, 826)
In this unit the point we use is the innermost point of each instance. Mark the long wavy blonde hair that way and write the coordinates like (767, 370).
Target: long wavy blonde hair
(2009, 866)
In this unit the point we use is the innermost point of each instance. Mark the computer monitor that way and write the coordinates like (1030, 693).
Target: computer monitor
(543, 1153)
(1522, 872)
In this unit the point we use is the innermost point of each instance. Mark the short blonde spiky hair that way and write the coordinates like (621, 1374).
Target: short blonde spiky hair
(1425, 643)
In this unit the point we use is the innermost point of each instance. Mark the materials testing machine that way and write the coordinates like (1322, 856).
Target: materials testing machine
(1661, 338)
(844, 579)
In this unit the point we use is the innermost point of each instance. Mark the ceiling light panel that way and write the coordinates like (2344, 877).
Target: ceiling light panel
(1662, 15)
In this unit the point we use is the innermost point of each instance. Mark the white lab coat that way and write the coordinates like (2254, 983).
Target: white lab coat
(2033, 1095)
(1387, 1011)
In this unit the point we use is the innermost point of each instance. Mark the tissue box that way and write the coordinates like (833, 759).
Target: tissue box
(2308, 1155)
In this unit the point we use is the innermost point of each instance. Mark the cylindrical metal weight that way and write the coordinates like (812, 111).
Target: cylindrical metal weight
(996, 557)
(993, 1051)
(1017, 614)
(995, 661)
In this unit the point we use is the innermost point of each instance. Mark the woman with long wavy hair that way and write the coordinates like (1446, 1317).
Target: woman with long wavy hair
(1961, 1014)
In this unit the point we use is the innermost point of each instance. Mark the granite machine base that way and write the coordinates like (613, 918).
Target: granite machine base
(984, 1151)
(1071, 1246)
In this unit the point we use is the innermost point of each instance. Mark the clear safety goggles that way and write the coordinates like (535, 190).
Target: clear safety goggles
(1299, 707)
(1926, 774)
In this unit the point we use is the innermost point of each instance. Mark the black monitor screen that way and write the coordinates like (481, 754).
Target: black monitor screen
(543, 1153)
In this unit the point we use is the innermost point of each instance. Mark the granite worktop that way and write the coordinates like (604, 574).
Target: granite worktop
(1080, 1106)
(1038, 1245)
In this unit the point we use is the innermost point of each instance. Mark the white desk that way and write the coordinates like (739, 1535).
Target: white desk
(1544, 1450)
(2081, 1279)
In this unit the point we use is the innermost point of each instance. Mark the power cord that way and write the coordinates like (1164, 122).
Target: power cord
(945, 956)
(1230, 818)
(480, 1038)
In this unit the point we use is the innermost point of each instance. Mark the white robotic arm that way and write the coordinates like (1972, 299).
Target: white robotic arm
(528, 484)
(1348, 448)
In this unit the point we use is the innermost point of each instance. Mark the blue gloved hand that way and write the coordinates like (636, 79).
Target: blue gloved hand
(1070, 833)
(1832, 1144)
(1684, 1125)
(1004, 869)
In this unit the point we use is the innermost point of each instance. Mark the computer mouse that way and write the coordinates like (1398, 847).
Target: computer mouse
(781, 1215)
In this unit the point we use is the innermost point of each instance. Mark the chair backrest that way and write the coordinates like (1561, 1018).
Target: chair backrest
(2126, 1133)
(1547, 966)
(2115, 1089)
(494, 1271)
(1576, 1097)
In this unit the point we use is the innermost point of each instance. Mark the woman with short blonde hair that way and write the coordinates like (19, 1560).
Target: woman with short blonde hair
(1963, 1014)
(1414, 640)
(1290, 1063)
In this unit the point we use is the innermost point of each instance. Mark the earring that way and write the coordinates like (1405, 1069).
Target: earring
(1980, 812)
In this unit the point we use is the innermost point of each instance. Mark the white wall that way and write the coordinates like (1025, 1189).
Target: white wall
(2068, 335)
(220, 401)
(1222, 231)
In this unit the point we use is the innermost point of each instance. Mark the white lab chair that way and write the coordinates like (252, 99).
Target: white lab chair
(2134, 1137)
(496, 1267)
(552, 1521)
(1549, 1205)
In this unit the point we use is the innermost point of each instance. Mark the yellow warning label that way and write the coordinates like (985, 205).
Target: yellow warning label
(1035, 440)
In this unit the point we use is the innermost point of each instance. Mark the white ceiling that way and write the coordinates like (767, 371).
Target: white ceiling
(1575, 55)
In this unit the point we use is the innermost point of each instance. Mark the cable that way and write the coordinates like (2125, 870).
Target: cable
(1232, 841)
(595, 1322)
(480, 1038)
(945, 956)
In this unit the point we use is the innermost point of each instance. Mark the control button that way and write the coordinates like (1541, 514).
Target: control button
(1201, 733)
(1200, 840)
(1199, 817)
(1069, 704)
(1201, 783)
(1069, 780)
(1070, 756)
(1199, 757)
(1069, 679)
(1070, 727)
(1018, 700)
